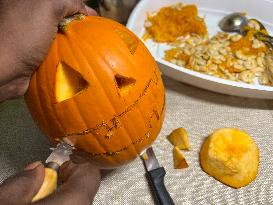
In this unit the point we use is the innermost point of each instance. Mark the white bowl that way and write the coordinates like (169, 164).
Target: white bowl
(213, 11)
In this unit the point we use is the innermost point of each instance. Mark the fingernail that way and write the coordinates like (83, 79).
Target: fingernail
(32, 166)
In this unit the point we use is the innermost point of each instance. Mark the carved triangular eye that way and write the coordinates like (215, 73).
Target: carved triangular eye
(124, 84)
(130, 40)
(68, 82)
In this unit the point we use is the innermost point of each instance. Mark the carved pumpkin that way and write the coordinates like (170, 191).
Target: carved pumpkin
(101, 90)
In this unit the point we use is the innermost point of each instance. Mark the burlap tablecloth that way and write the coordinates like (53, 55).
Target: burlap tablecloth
(197, 110)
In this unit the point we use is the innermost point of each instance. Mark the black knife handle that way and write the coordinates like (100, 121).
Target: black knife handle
(156, 181)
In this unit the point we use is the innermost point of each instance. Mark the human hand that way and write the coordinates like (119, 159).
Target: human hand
(27, 28)
(80, 184)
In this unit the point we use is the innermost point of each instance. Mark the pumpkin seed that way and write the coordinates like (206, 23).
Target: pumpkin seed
(216, 58)
(254, 24)
(236, 37)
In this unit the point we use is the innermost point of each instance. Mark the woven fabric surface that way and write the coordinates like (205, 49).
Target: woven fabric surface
(197, 110)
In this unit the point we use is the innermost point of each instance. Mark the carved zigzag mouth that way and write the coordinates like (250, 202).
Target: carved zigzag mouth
(138, 141)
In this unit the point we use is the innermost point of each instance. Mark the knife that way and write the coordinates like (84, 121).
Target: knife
(59, 155)
(155, 175)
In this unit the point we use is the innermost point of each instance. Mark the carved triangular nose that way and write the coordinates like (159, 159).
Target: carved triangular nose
(68, 82)
(125, 84)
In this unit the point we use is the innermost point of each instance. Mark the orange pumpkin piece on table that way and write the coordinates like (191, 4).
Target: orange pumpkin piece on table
(179, 159)
(231, 156)
(100, 89)
(180, 138)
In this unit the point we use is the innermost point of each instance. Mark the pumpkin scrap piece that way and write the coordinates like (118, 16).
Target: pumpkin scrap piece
(178, 159)
(175, 21)
(180, 138)
(246, 45)
(230, 156)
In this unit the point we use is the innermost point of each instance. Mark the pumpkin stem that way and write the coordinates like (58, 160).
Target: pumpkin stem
(67, 20)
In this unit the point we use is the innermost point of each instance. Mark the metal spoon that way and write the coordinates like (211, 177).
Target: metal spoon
(237, 22)
(234, 22)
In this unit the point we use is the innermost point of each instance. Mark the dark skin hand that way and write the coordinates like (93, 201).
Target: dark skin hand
(27, 29)
(80, 184)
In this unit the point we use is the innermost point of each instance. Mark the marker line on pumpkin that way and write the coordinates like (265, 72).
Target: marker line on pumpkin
(138, 141)
(114, 126)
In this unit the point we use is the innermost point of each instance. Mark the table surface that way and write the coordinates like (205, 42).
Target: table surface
(197, 110)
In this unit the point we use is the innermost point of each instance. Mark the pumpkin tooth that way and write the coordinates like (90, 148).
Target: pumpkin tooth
(179, 137)
(179, 159)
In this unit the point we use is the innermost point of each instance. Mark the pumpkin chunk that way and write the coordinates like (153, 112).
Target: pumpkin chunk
(178, 159)
(68, 82)
(179, 137)
(130, 40)
(172, 22)
(230, 156)
(124, 84)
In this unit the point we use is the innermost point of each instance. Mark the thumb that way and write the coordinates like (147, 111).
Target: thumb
(21, 188)
(80, 184)
(69, 7)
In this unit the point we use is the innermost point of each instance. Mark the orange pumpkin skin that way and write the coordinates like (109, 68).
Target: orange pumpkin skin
(108, 126)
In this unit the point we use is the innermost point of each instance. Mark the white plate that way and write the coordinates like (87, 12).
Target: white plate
(213, 11)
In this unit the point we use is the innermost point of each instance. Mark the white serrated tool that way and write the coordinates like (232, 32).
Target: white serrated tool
(59, 155)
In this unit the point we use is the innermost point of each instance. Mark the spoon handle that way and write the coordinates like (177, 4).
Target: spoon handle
(262, 27)
(263, 35)
(267, 39)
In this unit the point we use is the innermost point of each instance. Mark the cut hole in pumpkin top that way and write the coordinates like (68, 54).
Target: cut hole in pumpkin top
(68, 82)
(130, 40)
(124, 84)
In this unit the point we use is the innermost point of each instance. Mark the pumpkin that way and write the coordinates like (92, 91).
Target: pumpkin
(99, 89)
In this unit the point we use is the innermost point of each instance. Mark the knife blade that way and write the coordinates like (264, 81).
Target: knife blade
(155, 175)
(59, 155)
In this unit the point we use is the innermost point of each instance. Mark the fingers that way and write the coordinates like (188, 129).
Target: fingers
(80, 184)
(90, 11)
(66, 8)
(74, 6)
(14, 88)
(79, 157)
(21, 188)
